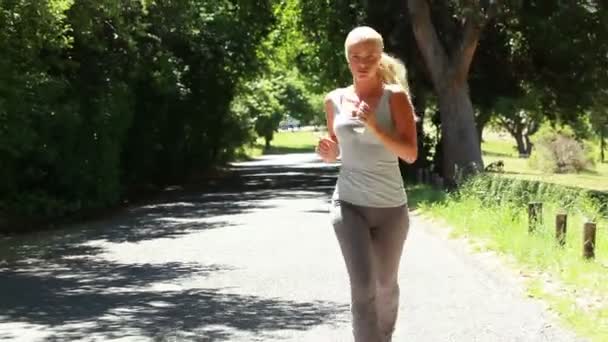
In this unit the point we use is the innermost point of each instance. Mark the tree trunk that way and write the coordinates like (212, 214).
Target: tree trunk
(602, 144)
(479, 126)
(528, 144)
(267, 143)
(461, 148)
(480, 122)
(449, 71)
(522, 139)
(521, 145)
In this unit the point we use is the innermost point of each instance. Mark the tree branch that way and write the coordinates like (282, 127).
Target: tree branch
(428, 42)
(466, 50)
(474, 23)
(506, 124)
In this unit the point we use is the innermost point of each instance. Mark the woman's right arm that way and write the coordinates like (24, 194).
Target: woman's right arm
(329, 116)
(328, 147)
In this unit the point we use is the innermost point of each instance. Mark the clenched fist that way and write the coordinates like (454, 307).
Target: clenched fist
(328, 150)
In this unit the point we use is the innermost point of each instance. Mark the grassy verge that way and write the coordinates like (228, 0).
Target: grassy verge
(423, 196)
(499, 147)
(574, 288)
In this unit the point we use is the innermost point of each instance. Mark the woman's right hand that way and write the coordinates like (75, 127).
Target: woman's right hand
(328, 150)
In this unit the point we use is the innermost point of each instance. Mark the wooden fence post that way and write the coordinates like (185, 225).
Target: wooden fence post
(589, 240)
(535, 215)
(561, 223)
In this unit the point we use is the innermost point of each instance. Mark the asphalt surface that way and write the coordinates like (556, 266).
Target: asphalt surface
(251, 258)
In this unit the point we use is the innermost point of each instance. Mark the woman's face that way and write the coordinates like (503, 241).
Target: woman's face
(364, 59)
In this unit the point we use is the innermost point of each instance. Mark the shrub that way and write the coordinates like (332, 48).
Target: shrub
(496, 191)
(557, 151)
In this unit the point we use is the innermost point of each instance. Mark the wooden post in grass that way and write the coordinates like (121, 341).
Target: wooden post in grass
(589, 240)
(561, 222)
(535, 215)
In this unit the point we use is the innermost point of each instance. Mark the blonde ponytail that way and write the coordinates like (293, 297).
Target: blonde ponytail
(392, 71)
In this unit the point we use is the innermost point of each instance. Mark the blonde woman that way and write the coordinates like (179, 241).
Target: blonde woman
(371, 124)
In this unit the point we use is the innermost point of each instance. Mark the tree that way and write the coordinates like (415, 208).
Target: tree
(599, 120)
(524, 44)
(564, 64)
(97, 97)
(258, 102)
(448, 58)
(473, 54)
(279, 88)
(603, 142)
(521, 118)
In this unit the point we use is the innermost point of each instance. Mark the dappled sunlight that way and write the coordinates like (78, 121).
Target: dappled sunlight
(91, 281)
(107, 300)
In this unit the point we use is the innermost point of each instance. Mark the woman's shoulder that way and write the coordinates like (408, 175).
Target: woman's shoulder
(395, 89)
(334, 94)
(397, 93)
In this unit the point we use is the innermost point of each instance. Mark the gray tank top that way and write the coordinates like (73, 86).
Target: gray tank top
(369, 174)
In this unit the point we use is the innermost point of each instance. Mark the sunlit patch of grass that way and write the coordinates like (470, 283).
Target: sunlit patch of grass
(283, 142)
(504, 229)
(498, 147)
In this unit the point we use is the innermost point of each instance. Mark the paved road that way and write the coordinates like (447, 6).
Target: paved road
(251, 258)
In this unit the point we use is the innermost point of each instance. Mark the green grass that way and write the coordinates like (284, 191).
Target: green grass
(283, 142)
(589, 323)
(423, 195)
(579, 290)
(304, 140)
(499, 147)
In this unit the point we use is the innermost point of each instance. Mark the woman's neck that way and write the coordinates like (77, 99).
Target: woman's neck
(366, 88)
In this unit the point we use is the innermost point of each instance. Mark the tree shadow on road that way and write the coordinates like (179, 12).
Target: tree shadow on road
(61, 280)
(179, 212)
(86, 298)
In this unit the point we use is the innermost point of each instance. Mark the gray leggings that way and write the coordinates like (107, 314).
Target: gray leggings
(371, 240)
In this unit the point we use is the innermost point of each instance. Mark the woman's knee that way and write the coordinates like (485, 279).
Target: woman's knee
(363, 295)
(387, 289)
(387, 280)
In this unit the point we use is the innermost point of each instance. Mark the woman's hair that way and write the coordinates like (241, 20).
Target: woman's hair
(392, 70)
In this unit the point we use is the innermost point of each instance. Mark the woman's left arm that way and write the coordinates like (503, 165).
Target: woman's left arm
(404, 141)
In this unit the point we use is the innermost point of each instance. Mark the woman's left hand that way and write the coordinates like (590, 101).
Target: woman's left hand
(366, 115)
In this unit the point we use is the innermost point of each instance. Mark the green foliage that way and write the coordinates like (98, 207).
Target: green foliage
(280, 88)
(498, 220)
(557, 151)
(99, 97)
(299, 102)
(497, 191)
(258, 102)
(267, 101)
(326, 25)
(555, 58)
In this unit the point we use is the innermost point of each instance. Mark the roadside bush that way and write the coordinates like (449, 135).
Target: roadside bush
(557, 151)
(497, 191)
